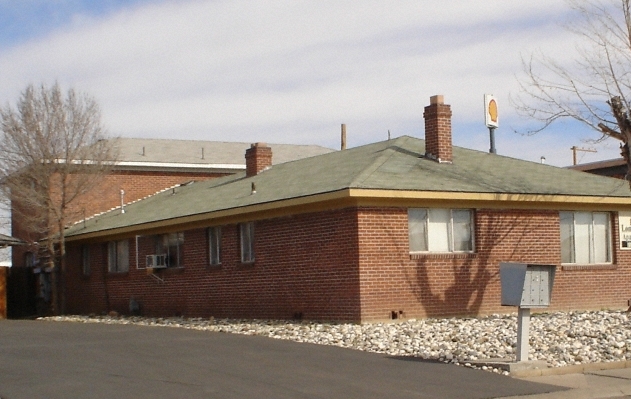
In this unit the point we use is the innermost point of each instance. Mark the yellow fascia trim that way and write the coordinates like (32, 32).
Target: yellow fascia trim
(491, 200)
(368, 197)
(314, 203)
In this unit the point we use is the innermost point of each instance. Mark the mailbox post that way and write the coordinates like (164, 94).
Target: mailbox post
(526, 286)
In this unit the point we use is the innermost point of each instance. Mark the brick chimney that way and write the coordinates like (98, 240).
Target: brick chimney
(438, 130)
(257, 158)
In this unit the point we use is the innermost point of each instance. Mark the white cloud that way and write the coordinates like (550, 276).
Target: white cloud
(290, 71)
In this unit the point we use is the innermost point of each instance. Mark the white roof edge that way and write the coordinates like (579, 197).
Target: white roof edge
(142, 164)
(181, 165)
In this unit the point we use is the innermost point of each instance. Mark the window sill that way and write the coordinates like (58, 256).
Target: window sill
(246, 265)
(569, 267)
(443, 255)
(172, 270)
(117, 274)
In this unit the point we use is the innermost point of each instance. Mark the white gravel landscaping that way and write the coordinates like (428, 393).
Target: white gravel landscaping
(559, 339)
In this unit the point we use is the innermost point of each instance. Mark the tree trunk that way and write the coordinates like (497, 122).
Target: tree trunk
(62, 258)
(621, 114)
(62, 282)
(54, 288)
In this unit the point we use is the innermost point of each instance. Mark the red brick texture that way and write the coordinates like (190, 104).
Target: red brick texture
(305, 266)
(468, 284)
(136, 184)
(257, 158)
(438, 130)
(348, 265)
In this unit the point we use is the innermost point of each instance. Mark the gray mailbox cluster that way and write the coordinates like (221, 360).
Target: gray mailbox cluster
(526, 285)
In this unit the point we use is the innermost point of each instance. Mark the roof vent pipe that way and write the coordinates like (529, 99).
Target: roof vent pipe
(123, 200)
(343, 146)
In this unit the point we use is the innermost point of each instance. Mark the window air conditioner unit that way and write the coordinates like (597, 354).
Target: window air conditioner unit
(157, 261)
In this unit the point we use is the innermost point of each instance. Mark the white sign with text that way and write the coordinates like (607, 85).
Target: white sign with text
(624, 221)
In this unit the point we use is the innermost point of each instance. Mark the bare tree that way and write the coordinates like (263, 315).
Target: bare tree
(596, 88)
(53, 150)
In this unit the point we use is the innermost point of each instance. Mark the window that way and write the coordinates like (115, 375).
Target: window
(171, 246)
(246, 232)
(214, 245)
(440, 230)
(585, 237)
(85, 260)
(118, 256)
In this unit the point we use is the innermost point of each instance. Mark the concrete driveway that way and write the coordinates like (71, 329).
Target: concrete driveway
(41, 359)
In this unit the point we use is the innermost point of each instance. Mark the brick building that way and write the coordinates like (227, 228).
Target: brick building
(145, 167)
(611, 167)
(404, 228)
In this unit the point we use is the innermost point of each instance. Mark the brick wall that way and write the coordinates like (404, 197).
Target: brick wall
(312, 265)
(468, 284)
(136, 184)
(306, 266)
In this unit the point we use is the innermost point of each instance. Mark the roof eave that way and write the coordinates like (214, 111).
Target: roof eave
(366, 197)
(178, 167)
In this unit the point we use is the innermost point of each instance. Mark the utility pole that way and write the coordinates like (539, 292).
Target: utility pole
(575, 149)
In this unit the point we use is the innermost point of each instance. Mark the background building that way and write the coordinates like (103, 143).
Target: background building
(145, 167)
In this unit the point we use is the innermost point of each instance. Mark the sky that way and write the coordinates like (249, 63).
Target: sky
(281, 71)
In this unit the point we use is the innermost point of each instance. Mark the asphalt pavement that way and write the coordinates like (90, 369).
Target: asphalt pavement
(44, 359)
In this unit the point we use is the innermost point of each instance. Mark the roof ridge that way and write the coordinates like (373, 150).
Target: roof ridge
(214, 141)
(128, 203)
(386, 154)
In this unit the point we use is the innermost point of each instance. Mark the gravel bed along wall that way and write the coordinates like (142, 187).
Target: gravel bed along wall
(557, 338)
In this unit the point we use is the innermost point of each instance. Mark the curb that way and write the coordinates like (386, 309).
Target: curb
(572, 369)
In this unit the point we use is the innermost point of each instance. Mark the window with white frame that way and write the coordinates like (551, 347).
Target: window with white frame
(585, 237)
(246, 233)
(214, 245)
(171, 245)
(85, 260)
(440, 230)
(118, 256)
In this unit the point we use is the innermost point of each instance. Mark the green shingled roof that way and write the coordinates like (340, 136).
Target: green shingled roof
(396, 164)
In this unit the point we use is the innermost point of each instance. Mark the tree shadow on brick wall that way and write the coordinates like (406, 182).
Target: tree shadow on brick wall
(463, 297)
(500, 236)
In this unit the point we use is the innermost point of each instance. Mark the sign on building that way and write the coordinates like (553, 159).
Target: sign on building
(624, 223)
